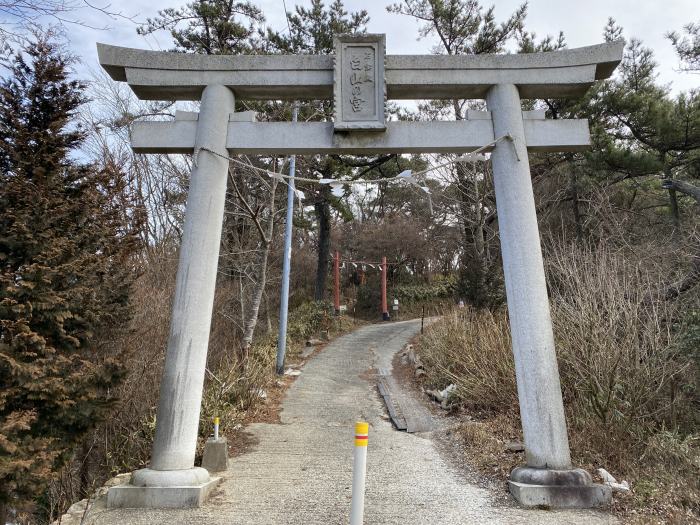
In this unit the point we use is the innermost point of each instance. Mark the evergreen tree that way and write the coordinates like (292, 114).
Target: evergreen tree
(687, 46)
(213, 27)
(65, 245)
(312, 31)
(464, 27)
(639, 129)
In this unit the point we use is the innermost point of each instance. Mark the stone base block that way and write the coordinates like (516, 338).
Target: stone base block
(215, 458)
(561, 496)
(557, 489)
(130, 496)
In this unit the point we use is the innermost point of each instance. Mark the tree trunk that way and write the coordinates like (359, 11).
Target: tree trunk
(675, 213)
(267, 314)
(478, 235)
(672, 197)
(473, 264)
(3, 513)
(573, 192)
(256, 298)
(241, 298)
(261, 275)
(683, 187)
(688, 282)
(323, 215)
(692, 278)
(85, 480)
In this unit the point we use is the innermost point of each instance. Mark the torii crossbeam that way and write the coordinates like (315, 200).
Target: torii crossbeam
(359, 78)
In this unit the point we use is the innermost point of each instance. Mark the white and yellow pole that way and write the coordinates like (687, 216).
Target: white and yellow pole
(216, 428)
(357, 507)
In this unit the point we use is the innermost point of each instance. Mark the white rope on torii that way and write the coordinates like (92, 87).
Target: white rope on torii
(337, 185)
(359, 126)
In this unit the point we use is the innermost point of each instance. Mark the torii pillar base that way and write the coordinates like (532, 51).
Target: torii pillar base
(557, 489)
(162, 489)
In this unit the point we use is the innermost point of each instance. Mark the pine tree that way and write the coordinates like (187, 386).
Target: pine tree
(640, 129)
(214, 27)
(312, 30)
(64, 274)
(465, 27)
(687, 46)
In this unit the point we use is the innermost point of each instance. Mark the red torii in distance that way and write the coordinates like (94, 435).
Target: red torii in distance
(336, 284)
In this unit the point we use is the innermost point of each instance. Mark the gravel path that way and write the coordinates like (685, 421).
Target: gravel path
(301, 471)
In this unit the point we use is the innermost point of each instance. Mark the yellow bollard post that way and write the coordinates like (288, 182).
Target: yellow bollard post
(357, 506)
(216, 428)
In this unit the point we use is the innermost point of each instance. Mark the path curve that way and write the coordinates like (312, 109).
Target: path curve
(300, 471)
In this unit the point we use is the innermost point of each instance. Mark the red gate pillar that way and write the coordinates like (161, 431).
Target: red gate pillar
(385, 309)
(336, 283)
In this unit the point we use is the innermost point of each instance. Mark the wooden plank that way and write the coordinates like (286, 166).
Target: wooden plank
(396, 417)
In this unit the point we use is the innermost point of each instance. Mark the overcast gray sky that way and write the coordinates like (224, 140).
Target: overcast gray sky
(581, 21)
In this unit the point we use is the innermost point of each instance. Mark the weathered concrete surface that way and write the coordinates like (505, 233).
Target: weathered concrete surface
(172, 480)
(185, 360)
(215, 457)
(359, 97)
(536, 371)
(173, 496)
(159, 75)
(300, 471)
(288, 138)
(561, 496)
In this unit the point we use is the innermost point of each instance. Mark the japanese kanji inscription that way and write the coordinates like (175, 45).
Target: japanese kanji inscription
(359, 86)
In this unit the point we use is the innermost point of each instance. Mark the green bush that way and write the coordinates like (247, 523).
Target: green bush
(423, 292)
(440, 290)
(309, 319)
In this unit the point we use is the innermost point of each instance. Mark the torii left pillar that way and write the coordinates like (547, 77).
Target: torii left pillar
(172, 480)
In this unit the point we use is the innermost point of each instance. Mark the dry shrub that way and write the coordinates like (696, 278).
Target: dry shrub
(613, 334)
(123, 442)
(471, 349)
(628, 387)
(234, 390)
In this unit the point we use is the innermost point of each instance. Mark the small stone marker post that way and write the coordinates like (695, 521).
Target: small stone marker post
(215, 457)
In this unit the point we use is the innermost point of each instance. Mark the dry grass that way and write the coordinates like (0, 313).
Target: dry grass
(485, 442)
(628, 385)
(237, 392)
(478, 359)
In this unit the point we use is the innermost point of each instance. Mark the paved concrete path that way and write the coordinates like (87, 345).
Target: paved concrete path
(300, 472)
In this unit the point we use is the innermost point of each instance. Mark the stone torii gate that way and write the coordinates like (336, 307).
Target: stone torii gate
(359, 78)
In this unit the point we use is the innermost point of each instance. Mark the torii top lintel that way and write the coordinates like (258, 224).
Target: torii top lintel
(157, 75)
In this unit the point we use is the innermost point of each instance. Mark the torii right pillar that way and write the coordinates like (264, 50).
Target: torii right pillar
(548, 479)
